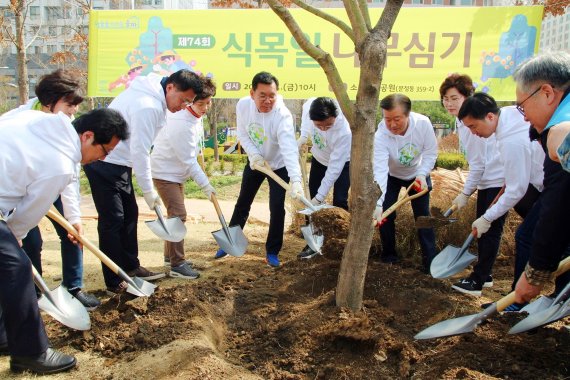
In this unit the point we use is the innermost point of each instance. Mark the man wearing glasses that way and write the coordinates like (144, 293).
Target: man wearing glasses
(143, 105)
(543, 84)
(521, 160)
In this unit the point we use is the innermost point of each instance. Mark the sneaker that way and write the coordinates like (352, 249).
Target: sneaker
(51, 361)
(119, 289)
(145, 274)
(167, 262)
(220, 253)
(468, 286)
(184, 271)
(307, 253)
(89, 301)
(488, 282)
(272, 260)
(514, 307)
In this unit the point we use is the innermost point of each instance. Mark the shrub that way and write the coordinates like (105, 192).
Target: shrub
(450, 161)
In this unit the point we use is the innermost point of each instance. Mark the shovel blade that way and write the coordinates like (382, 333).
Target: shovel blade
(139, 287)
(541, 318)
(446, 263)
(173, 230)
(540, 304)
(235, 244)
(65, 308)
(450, 327)
(314, 240)
(308, 211)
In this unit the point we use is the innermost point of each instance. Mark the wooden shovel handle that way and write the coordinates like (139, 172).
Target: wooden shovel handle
(269, 172)
(55, 215)
(303, 165)
(216, 205)
(399, 203)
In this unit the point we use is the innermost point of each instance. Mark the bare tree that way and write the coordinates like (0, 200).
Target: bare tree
(370, 46)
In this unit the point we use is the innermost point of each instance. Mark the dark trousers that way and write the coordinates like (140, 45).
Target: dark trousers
(251, 181)
(341, 185)
(488, 243)
(71, 254)
(420, 207)
(523, 245)
(114, 198)
(21, 325)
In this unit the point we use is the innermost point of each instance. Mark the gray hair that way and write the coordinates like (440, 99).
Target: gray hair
(551, 67)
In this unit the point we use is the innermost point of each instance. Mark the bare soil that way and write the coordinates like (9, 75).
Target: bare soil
(244, 320)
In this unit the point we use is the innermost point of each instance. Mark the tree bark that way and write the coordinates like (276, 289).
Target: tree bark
(19, 7)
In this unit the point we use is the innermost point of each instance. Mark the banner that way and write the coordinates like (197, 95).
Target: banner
(232, 45)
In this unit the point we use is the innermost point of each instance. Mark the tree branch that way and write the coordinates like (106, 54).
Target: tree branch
(322, 57)
(356, 21)
(364, 9)
(388, 16)
(327, 17)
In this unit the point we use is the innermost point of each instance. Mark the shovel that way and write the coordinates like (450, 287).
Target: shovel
(437, 218)
(171, 229)
(453, 260)
(558, 309)
(231, 239)
(307, 230)
(468, 323)
(136, 286)
(61, 305)
(313, 240)
(398, 204)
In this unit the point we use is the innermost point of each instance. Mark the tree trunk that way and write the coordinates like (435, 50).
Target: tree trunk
(19, 10)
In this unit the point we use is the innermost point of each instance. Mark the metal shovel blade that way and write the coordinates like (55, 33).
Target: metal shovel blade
(558, 309)
(308, 211)
(538, 305)
(456, 326)
(65, 308)
(452, 260)
(232, 240)
(446, 263)
(174, 231)
(313, 239)
(171, 229)
(139, 287)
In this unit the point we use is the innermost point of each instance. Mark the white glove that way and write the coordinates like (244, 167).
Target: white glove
(152, 199)
(460, 201)
(420, 183)
(296, 190)
(301, 142)
(481, 225)
(316, 202)
(256, 159)
(209, 190)
(378, 213)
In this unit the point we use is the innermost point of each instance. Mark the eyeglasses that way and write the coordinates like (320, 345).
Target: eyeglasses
(519, 106)
(104, 150)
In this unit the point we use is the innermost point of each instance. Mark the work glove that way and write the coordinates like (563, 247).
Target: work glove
(480, 226)
(420, 183)
(378, 213)
(316, 201)
(460, 201)
(209, 190)
(152, 199)
(296, 190)
(256, 159)
(302, 143)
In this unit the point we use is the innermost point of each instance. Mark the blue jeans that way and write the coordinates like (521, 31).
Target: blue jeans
(71, 254)
(420, 207)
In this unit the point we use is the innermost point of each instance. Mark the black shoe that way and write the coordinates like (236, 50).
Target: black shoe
(89, 301)
(468, 286)
(4, 349)
(51, 361)
(307, 253)
(488, 282)
(391, 259)
(119, 289)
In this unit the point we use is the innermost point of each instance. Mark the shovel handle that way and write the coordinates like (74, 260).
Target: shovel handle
(303, 165)
(450, 211)
(55, 215)
(399, 203)
(269, 172)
